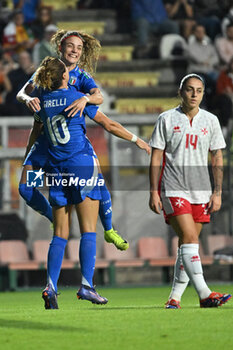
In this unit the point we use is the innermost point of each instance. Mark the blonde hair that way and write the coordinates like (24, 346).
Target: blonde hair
(49, 74)
(90, 52)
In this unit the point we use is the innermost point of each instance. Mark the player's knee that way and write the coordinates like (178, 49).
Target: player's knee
(190, 238)
(25, 192)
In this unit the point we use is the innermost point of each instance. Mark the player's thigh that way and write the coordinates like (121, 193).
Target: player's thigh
(61, 221)
(198, 227)
(185, 228)
(87, 212)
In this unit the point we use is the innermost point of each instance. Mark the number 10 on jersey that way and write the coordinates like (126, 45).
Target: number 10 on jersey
(63, 135)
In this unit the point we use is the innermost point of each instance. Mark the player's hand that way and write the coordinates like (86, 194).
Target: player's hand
(155, 203)
(215, 202)
(33, 103)
(143, 145)
(77, 106)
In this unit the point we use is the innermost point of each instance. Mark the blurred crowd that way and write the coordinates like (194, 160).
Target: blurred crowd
(198, 31)
(25, 36)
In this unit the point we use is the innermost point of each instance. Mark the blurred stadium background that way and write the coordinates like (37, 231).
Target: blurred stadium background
(136, 89)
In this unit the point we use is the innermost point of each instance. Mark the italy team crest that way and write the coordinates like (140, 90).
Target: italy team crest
(72, 80)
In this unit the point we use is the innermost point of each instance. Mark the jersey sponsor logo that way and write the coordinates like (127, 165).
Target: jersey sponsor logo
(35, 178)
(205, 131)
(108, 211)
(195, 258)
(176, 128)
(72, 80)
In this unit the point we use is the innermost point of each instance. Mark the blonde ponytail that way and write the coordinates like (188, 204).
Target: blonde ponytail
(49, 75)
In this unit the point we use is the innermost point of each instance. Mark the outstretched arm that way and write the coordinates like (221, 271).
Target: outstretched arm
(95, 98)
(155, 203)
(23, 96)
(118, 130)
(217, 169)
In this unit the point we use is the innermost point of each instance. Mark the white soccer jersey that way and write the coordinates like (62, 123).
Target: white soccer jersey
(186, 145)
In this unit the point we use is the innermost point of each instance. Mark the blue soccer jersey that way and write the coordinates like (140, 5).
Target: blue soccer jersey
(72, 168)
(81, 81)
(79, 78)
(66, 135)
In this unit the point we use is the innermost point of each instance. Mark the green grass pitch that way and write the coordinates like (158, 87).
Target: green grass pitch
(134, 318)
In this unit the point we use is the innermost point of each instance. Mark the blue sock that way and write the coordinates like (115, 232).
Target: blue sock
(55, 257)
(105, 208)
(87, 255)
(36, 200)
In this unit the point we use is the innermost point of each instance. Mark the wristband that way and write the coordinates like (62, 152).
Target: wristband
(87, 98)
(134, 138)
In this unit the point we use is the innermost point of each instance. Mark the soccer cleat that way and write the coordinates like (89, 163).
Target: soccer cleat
(50, 298)
(111, 236)
(172, 304)
(224, 298)
(90, 294)
(215, 300)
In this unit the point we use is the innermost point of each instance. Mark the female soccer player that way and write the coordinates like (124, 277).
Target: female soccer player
(183, 137)
(78, 51)
(71, 157)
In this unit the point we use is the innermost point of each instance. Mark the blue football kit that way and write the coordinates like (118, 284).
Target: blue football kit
(38, 158)
(71, 158)
(64, 150)
(38, 155)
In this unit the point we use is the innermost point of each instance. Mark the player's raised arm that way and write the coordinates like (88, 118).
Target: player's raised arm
(118, 130)
(23, 96)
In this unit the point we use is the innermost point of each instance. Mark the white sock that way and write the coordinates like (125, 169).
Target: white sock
(193, 267)
(180, 279)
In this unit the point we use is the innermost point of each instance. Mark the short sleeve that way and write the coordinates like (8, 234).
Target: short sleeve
(30, 81)
(86, 82)
(158, 138)
(217, 140)
(36, 91)
(90, 111)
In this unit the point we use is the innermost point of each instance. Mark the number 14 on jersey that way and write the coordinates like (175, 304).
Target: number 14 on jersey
(191, 141)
